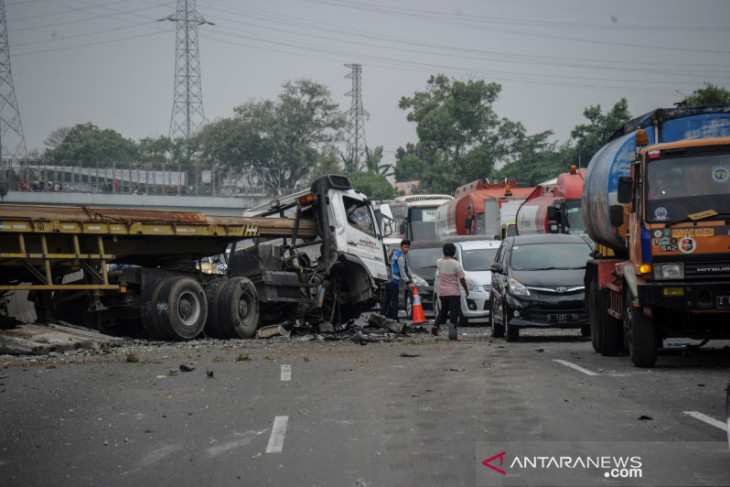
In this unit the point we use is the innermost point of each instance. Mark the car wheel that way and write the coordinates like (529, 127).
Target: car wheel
(408, 299)
(463, 320)
(436, 306)
(512, 332)
(497, 329)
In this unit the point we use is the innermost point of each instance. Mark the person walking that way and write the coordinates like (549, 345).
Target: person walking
(398, 272)
(451, 273)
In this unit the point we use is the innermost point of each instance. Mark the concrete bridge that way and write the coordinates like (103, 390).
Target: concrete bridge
(209, 205)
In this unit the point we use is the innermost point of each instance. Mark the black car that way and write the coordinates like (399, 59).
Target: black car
(422, 258)
(537, 282)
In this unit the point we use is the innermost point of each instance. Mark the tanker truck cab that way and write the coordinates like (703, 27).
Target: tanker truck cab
(678, 233)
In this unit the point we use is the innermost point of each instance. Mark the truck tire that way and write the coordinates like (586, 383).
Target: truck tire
(497, 328)
(238, 308)
(212, 295)
(148, 309)
(512, 333)
(612, 335)
(595, 315)
(181, 308)
(642, 338)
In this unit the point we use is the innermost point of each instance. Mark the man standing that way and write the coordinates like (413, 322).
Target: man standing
(398, 272)
(450, 275)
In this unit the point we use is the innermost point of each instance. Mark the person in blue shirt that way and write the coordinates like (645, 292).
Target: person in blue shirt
(398, 273)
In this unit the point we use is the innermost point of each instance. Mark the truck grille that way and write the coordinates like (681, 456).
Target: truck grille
(701, 270)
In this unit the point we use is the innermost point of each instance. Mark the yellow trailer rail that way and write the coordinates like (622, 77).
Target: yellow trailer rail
(40, 244)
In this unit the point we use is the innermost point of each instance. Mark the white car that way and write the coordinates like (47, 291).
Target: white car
(476, 257)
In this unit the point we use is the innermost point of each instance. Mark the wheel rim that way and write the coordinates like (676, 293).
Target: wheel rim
(243, 306)
(189, 308)
(409, 307)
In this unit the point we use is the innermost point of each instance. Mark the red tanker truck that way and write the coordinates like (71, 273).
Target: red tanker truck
(554, 207)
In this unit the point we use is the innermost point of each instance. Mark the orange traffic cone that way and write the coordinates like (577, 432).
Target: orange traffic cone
(418, 317)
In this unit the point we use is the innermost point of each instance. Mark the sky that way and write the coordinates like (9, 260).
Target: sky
(112, 62)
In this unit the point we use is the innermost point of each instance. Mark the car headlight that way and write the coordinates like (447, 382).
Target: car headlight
(418, 281)
(674, 270)
(473, 286)
(517, 288)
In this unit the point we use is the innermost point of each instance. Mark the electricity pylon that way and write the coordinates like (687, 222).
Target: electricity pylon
(356, 117)
(11, 130)
(187, 109)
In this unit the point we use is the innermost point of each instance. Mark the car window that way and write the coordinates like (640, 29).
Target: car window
(423, 258)
(477, 259)
(550, 255)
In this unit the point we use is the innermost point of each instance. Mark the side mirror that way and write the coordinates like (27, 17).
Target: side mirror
(552, 213)
(625, 189)
(496, 267)
(616, 215)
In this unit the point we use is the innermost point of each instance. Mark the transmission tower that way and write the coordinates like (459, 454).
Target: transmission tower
(187, 109)
(355, 117)
(11, 130)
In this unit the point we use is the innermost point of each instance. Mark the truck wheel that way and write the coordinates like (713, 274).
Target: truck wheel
(642, 338)
(612, 331)
(148, 309)
(181, 308)
(238, 308)
(212, 295)
(512, 332)
(595, 315)
(497, 329)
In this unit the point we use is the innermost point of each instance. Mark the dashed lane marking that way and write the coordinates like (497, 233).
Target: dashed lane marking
(573, 366)
(286, 372)
(707, 419)
(278, 432)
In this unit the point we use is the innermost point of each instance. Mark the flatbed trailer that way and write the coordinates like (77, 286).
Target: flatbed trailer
(314, 257)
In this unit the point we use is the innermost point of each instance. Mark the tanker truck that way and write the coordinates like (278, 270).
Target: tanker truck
(656, 201)
(466, 214)
(554, 207)
(316, 257)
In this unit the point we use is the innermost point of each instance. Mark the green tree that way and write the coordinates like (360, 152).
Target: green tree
(409, 166)
(536, 160)
(283, 136)
(327, 163)
(461, 138)
(87, 143)
(156, 150)
(373, 162)
(375, 186)
(592, 136)
(709, 95)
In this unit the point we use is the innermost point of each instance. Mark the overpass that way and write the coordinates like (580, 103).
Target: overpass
(209, 205)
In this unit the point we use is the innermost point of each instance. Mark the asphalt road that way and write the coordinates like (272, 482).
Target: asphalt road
(413, 411)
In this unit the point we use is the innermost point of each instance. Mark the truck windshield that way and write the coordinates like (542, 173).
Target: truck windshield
(574, 216)
(423, 223)
(682, 184)
(359, 216)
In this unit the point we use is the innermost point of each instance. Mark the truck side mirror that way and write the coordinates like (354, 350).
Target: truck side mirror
(552, 213)
(616, 215)
(497, 267)
(625, 189)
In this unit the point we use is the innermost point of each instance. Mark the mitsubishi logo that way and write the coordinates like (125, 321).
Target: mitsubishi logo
(561, 289)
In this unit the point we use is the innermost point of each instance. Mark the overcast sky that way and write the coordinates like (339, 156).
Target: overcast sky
(110, 62)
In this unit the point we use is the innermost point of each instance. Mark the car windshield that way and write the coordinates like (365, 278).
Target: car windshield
(477, 259)
(423, 258)
(681, 185)
(550, 256)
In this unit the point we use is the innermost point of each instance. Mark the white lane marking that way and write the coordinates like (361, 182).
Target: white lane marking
(286, 372)
(278, 431)
(707, 419)
(573, 366)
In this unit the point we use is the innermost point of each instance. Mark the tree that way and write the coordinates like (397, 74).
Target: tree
(87, 143)
(409, 166)
(56, 137)
(709, 95)
(156, 150)
(375, 186)
(592, 136)
(283, 136)
(461, 138)
(327, 163)
(535, 162)
(373, 162)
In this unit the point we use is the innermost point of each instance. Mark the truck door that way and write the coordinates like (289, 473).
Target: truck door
(357, 231)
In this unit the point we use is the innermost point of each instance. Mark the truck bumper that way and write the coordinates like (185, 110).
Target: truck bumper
(687, 296)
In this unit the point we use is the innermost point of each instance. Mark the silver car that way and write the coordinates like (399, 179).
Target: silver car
(476, 257)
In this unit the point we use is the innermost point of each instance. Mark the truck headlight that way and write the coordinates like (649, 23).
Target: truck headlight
(517, 288)
(667, 271)
(418, 281)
